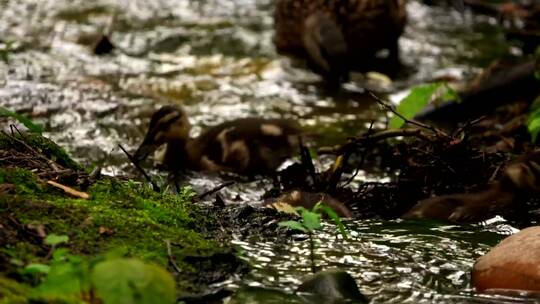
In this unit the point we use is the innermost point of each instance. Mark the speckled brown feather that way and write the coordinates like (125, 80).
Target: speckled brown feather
(520, 177)
(248, 131)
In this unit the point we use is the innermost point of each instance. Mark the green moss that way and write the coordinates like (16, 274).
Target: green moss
(118, 214)
(22, 178)
(41, 144)
(12, 292)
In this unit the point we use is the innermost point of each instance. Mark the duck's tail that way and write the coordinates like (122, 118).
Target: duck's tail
(326, 47)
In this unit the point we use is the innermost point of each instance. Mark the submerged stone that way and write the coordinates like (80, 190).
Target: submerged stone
(333, 286)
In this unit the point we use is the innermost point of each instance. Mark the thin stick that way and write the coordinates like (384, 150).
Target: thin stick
(50, 162)
(362, 160)
(469, 124)
(148, 178)
(69, 190)
(409, 121)
(216, 189)
(171, 257)
(307, 161)
(376, 137)
(12, 126)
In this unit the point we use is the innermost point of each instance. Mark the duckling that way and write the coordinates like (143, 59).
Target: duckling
(338, 35)
(308, 200)
(462, 207)
(247, 146)
(520, 177)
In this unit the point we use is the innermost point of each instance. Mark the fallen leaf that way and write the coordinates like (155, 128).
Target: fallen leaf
(105, 231)
(39, 229)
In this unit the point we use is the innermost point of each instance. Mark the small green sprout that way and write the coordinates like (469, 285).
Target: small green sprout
(310, 222)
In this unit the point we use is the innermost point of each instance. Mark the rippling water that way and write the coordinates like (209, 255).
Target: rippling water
(392, 261)
(216, 58)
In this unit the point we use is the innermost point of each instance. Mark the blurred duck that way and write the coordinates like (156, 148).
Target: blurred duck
(336, 36)
(521, 177)
(248, 145)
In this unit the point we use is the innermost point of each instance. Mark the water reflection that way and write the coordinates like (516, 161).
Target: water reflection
(393, 262)
(215, 57)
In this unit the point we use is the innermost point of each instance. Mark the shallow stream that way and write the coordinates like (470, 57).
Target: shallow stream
(215, 57)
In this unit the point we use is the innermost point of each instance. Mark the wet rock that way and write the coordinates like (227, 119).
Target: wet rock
(513, 264)
(103, 46)
(333, 286)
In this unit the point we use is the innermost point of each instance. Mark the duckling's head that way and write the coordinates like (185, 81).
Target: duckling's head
(523, 176)
(168, 125)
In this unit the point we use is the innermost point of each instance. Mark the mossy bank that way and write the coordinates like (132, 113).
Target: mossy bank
(168, 230)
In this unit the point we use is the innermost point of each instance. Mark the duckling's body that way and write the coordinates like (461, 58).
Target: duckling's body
(462, 207)
(248, 145)
(338, 35)
(520, 178)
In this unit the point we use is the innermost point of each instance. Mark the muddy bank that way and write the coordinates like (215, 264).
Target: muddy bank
(164, 229)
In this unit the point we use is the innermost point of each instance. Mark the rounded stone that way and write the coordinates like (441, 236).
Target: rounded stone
(514, 264)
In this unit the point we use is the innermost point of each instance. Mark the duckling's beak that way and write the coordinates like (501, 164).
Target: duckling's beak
(146, 148)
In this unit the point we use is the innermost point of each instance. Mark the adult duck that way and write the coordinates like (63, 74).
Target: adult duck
(336, 36)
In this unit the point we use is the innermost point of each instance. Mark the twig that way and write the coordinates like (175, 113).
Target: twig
(469, 124)
(136, 164)
(362, 160)
(216, 189)
(336, 171)
(50, 162)
(307, 161)
(12, 126)
(376, 137)
(171, 257)
(390, 108)
(437, 158)
(69, 190)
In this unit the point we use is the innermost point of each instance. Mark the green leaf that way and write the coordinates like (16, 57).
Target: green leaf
(535, 104)
(311, 220)
(116, 253)
(5, 51)
(60, 254)
(313, 153)
(418, 98)
(65, 280)
(54, 240)
(334, 216)
(449, 94)
(27, 122)
(126, 281)
(37, 268)
(533, 121)
(294, 225)
(534, 128)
